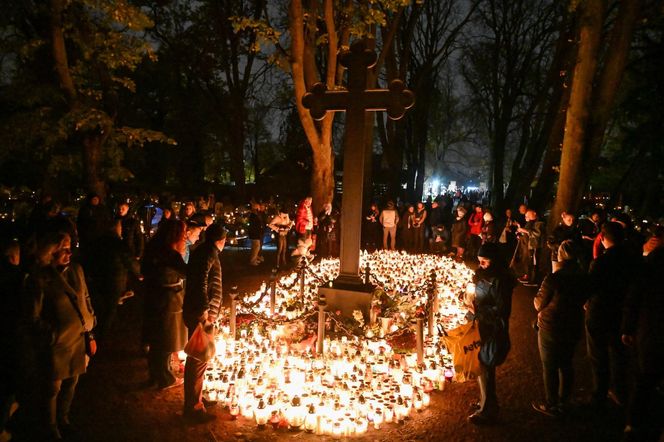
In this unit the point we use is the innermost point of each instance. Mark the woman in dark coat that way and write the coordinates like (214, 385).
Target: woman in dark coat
(419, 218)
(108, 276)
(460, 232)
(59, 306)
(493, 304)
(407, 226)
(327, 231)
(163, 327)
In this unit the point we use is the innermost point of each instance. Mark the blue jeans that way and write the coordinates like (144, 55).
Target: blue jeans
(556, 353)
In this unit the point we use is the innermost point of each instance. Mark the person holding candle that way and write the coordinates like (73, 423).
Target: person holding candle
(494, 284)
(371, 228)
(202, 301)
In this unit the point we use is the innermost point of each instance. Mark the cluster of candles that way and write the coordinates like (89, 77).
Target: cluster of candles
(356, 383)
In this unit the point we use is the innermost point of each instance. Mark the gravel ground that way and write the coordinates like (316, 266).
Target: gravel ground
(111, 405)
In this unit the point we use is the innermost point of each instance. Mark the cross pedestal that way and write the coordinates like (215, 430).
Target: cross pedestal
(348, 291)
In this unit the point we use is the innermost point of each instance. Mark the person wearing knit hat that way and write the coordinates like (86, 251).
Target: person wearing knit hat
(559, 305)
(567, 251)
(489, 251)
(494, 284)
(566, 229)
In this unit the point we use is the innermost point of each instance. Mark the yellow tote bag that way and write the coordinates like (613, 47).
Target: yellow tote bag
(464, 344)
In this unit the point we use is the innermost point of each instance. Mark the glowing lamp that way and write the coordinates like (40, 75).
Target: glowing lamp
(311, 420)
(234, 410)
(261, 413)
(418, 402)
(378, 418)
(296, 413)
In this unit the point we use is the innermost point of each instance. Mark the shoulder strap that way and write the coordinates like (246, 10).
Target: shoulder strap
(70, 296)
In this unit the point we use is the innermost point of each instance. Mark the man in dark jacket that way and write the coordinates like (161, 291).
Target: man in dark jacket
(610, 275)
(559, 304)
(643, 329)
(202, 301)
(131, 231)
(493, 306)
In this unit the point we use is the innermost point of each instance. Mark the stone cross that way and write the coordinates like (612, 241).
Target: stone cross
(355, 101)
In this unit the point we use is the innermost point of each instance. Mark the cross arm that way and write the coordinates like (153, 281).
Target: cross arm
(395, 100)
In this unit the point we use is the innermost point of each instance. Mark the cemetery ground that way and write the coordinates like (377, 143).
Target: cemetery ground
(112, 405)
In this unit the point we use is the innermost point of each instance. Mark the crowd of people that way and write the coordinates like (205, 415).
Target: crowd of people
(596, 276)
(56, 310)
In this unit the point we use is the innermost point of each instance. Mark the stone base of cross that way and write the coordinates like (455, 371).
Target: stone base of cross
(356, 100)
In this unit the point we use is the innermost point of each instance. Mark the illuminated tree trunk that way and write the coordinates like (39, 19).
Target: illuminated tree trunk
(590, 109)
(578, 114)
(304, 74)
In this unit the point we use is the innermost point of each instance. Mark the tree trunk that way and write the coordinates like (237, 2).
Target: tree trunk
(578, 114)
(497, 167)
(92, 156)
(237, 140)
(543, 191)
(319, 135)
(322, 175)
(548, 132)
(60, 59)
(92, 159)
(604, 96)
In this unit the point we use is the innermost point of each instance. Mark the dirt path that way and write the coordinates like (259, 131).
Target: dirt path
(111, 405)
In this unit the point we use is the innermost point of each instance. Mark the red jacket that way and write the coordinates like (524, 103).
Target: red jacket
(475, 222)
(302, 219)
